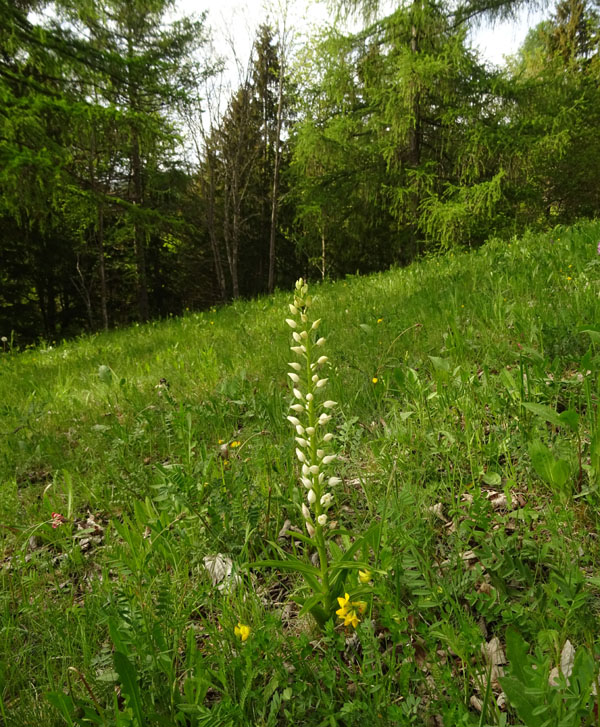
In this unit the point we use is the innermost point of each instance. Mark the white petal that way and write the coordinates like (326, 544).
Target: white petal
(320, 342)
(300, 455)
(329, 404)
(295, 421)
(321, 383)
(311, 497)
(314, 469)
(298, 394)
(309, 397)
(293, 310)
(302, 442)
(295, 365)
(291, 323)
(305, 512)
(297, 407)
(305, 470)
(322, 519)
(332, 481)
(300, 429)
(327, 437)
(315, 378)
(320, 453)
(296, 337)
(306, 482)
(322, 359)
(298, 349)
(329, 458)
(310, 530)
(315, 325)
(311, 430)
(294, 377)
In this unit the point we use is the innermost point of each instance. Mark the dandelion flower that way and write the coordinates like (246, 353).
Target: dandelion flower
(374, 379)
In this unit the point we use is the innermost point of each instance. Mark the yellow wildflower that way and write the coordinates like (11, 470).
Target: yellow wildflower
(380, 320)
(374, 379)
(242, 631)
(347, 610)
(235, 444)
(364, 576)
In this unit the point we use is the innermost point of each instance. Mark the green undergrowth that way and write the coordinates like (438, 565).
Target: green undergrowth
(467, 427)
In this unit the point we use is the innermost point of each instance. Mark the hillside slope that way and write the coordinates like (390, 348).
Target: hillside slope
(467, 390)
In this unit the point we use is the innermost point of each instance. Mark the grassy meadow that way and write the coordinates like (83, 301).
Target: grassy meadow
(144, 471)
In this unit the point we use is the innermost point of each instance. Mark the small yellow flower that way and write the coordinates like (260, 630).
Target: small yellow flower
(364, 576)
(347, 610)
(242, 631)
(221, 441)
(569, 277)
(343, 609)
(380, 320)
(351, 619)
(235, 444)
(374, 379)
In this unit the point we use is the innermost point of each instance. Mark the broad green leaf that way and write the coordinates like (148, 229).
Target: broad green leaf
(104, 374)
(544, 412)
(491, 478)
(129, 685)
(440, 364)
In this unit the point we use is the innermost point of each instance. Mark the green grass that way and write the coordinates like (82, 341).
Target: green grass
(112, 618)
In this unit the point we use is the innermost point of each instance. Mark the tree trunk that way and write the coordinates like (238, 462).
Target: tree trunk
(276, 163)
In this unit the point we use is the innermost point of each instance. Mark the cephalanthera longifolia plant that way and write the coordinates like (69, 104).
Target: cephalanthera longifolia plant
(337, 549)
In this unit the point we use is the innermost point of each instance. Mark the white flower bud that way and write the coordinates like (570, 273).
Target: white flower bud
(321, 477)
(291, 323)
(310, 431)
(300, 455)
(315, 378)
(297, 407)
(305, 512)
(329, 458)
(320, 342)
(305, 470)
(304, 318)
(314, 469)
(326, 499)
(300, 429)
(320, 453)
(322, 359)
(315, 325)
(302, 442)
(309, 397)
(294, 377)
(295, 365)
(293, 310)
(306, 482)
(324, 418)
(333, 481)
(327, 437)
(329, 404)
(298, 349)
(311, 497)
(296, 337)
(298, 394)
(304, 335)
(295, 421)
(321, 383)
(310, 530)
(322, 519)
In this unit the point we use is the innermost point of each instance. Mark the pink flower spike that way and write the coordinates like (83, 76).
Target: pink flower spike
(58, 519)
